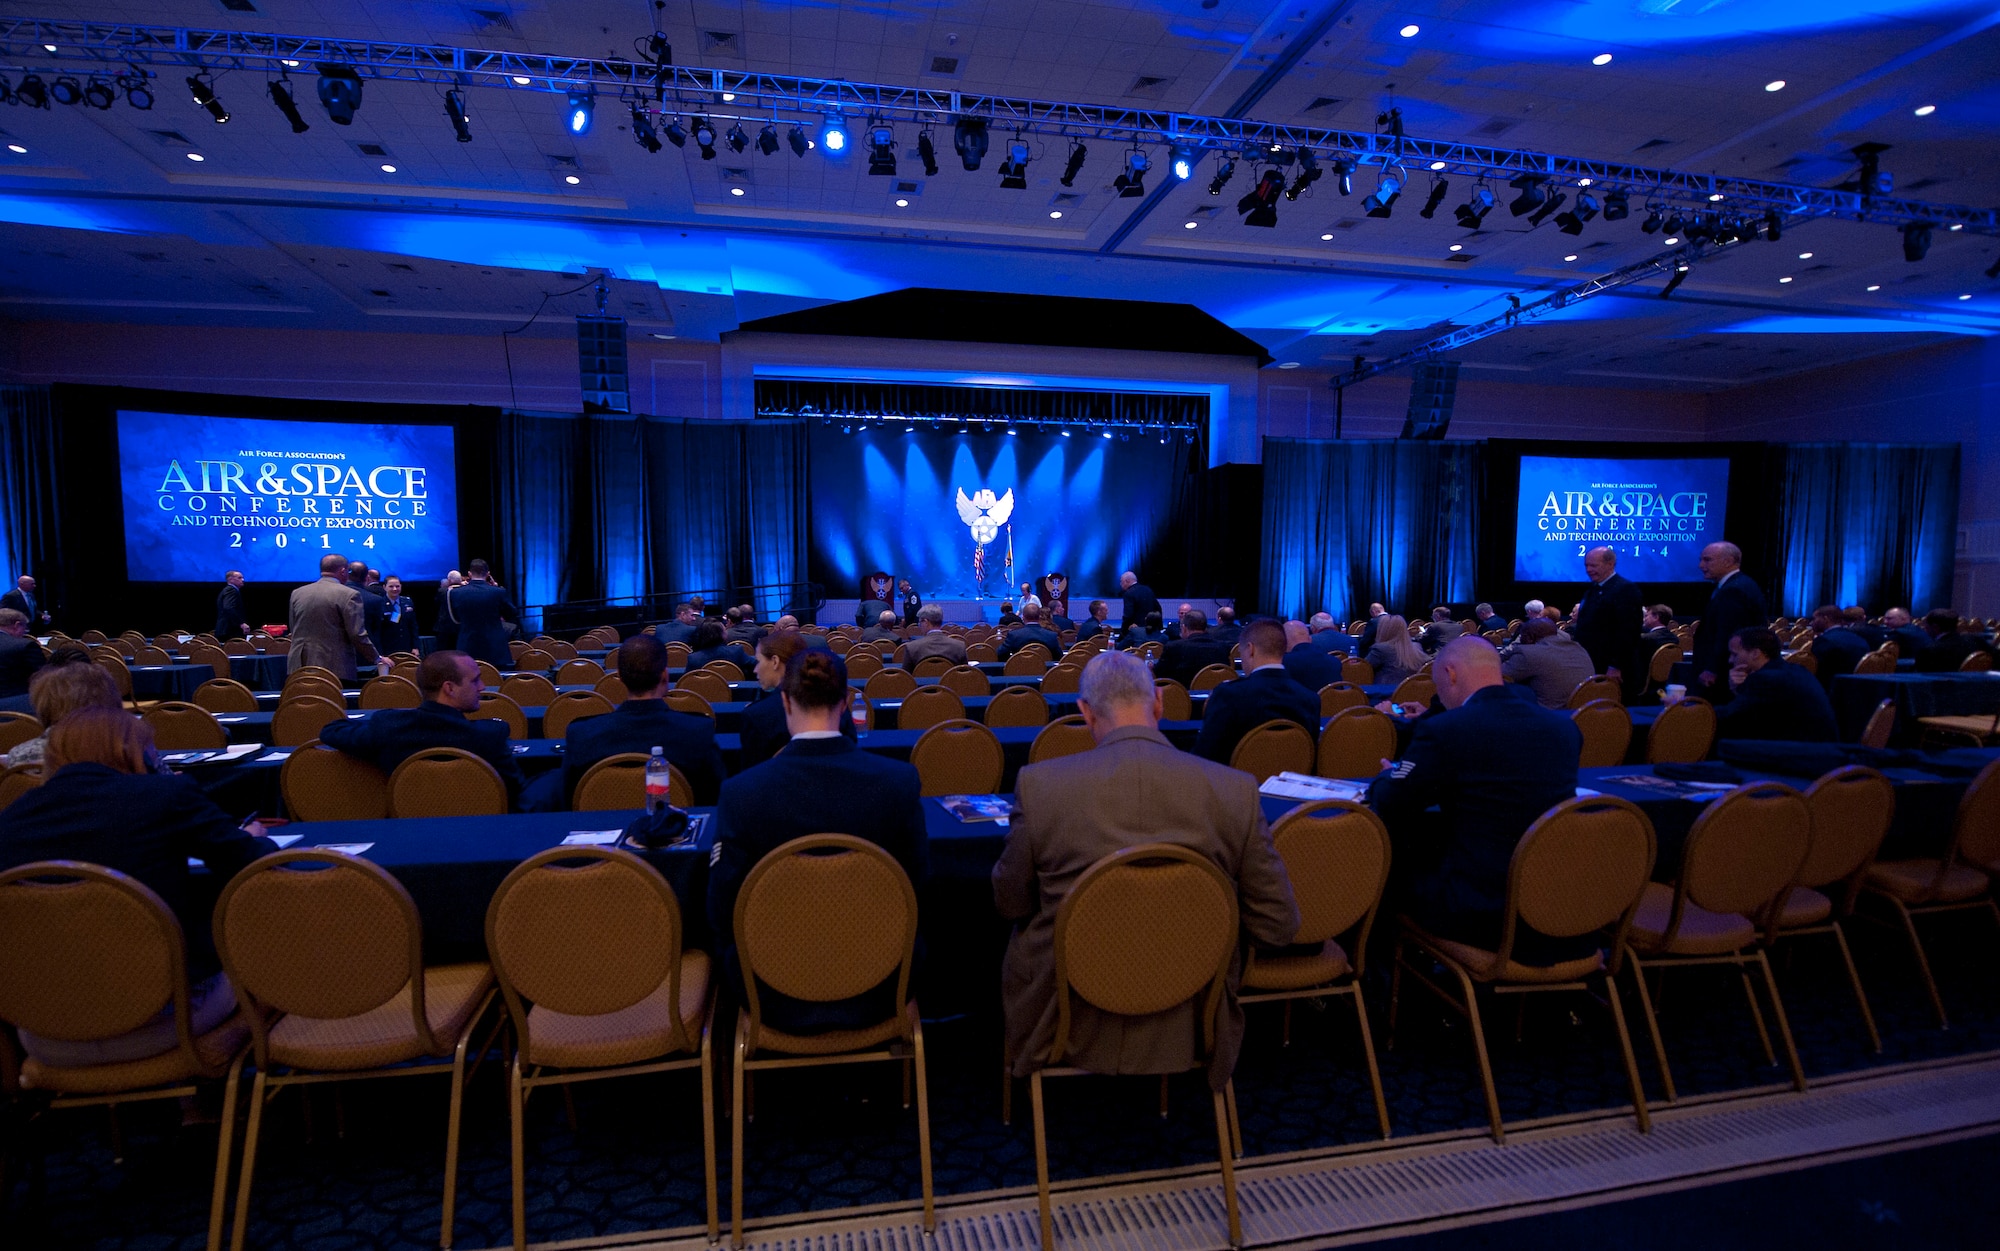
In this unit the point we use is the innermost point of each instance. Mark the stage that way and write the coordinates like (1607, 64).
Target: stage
(975, 611)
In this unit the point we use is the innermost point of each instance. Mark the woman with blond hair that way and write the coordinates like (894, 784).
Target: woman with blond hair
(1395, 655)
(67, 684)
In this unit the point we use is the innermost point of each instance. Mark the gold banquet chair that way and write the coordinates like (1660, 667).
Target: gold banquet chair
(1684, 733)
(1176, 704)
(17, 728)
(1018, 706)
(225, 695)
(705, 683)
(1338, 697)
(569, 707)
(897, 684)
(1212, 676)
(928, 706)
(1354, 743)
(321, 784)
(299, 721)
(958, 757)
(1064, 736)
(1851, 811)
(1607, 732)
(446, 782)
(184, 727)
(1275, 747)
(530, 690)
(618, 784)
(494, 706)
(1596, 688)
(966, 682)
(390, 691)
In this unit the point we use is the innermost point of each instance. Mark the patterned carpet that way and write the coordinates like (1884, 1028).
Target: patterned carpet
(827, 1139)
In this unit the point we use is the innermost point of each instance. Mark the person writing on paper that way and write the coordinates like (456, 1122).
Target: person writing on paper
(451, 684)
(821, 783)
(1490, 763)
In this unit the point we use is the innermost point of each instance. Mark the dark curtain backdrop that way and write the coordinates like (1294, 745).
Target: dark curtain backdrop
(1347, 522)
(1864, 523)
(28, 457)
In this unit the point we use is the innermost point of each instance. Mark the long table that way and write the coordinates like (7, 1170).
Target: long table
(1914, 695)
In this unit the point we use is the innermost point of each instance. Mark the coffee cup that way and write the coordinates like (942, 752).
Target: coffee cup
(1675, 693)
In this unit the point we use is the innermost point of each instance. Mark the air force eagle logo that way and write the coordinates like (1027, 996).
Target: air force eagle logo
(983, 514)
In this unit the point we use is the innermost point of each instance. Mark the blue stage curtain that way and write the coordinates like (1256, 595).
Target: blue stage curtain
(29, 537)
(534, 462)
(1348, 522)
(1865, 523)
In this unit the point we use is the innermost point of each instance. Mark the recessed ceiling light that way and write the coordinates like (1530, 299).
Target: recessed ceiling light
(16, 148)
(1458, 247)
(902, 204)
(196, 156)
(1715, 198)
(1437, 164)
(1876, 287)
(1288, 364)
(1408, 32)
(1965, 297)
(658, 335)
(1805, 256)
(1189, 225)
(388, 169)
(1670, 242)
(1925, 110)
(1783, 280)
(1602, 58)
(1583, 182)
(1958, 225)
(1570, 257)
(1326, 238)
(571, 179)
(520, 80)
(736, 191)
(1776, 84)
(1055, 214)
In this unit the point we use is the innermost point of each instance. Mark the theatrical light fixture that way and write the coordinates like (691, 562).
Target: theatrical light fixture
(1014, 170)
(340, 94)
(833, 135)
(33, 93)
(1309, 172)
(281, 96)
(1652, 223)
(1571, 223)
(1617, 204)
(99, 95)
(1533, 195)
(1343, 175)
(1774, 225)
(968, 139)
(704, 137)
(1131, 184)
(737, 138)
(795, 138)
(1679, 276)
(1223, 173)
(137, 93)
(1549, 205)
(1260, 206)
(676, 133)
(1476, 207)
(1439, 189)
(454, 108)
(767, 139)
(1183, 163)
(1074, 166)
(199, 87)
(643, 133)
(66, 90)
(927, 152)
(1675, 225)
(881, 150)
(1916, 241)
(1388, 187)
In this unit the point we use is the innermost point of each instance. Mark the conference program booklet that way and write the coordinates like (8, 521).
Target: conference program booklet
(1289, 785)
(980, 807)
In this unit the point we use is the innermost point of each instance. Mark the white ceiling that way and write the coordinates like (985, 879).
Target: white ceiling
(109, 219)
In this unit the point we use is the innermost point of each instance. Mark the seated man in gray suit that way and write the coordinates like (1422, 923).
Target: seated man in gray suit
(933, 641)
(1135, 788)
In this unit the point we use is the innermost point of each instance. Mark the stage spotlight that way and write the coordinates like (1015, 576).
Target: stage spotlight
(1077, 153)
(882, 151)
(1132, 183)
(737, 138)
(1260, 206)
(99, 95)
(1388, 187)
(137, 93)
(1343, 173)
(33, 93)
(1652, 223)
(1617, 204)
(767, 139)
(796, 139)
(1476, 207)
(968, 139)
(1223, 173)
(1183, 163)
(1675, 223)
(340, 94)
(643, 133)
(1679, 276)
(1439, 189)
(676, 133)
(199, 87)
(454, 108)
(281, 96)
(704, 137)
(927, 152)
(1549, 205)
(66, 90)
(1014, 170)
(1571, 223)
(1916, 241)
(1309, 173)
(1774, 225)
(833, 135)
(1533, 195)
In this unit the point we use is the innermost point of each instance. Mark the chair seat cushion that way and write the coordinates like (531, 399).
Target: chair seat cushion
(644, 1031)
(1804, 906)
(1485, 966)
(215, 1050)
(386, 1034)
(1297, 972)
(1702, 933)
(1911, 881)
(833, 1042)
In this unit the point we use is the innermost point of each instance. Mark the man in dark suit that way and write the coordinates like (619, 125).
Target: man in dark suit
(1837, 648)
(482, 612)
(739, 624)
(1366, 642)
(374, 608)
(1735, 604)
(1328, 636)
(681, 628)
(884, 629)
(1909, 637)
(1608, 619)
(1096, 623)
(1440, 631)
(1774, 699)
(709, 646)
(1659, 631)
(1484, 619)
(1308, 665)
(230, 620)
(451, 684)
(1451, 870)
(1147, 631)
(1192, 652)
(1265, 692)
(20, 655)
(1228, 631)
(642, 723)
(1031, 630)
(1174, 622)
(22, 600)
(821, 783)
(1857, 620)
(1139, 600)
(1948, 648)
(912, 603)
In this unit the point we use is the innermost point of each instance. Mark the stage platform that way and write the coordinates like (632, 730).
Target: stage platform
(974, 611)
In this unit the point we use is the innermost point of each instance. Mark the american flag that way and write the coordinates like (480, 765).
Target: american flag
(1010, 553)
(978, 564)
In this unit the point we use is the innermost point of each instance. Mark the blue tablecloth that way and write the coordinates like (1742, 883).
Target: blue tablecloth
(169, 681)
(1915, 695)
(261, 672)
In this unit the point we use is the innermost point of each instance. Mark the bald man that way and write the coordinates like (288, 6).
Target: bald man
(1139, 600)
(1735, 604)
(1608, 620)
(1452, 867)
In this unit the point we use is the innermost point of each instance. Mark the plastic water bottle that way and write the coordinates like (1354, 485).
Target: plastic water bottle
(860, 716)
(658, 782)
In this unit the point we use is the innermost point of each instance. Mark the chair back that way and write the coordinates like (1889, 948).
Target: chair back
(319, 934)
(618, 784)
(1151, 649)
(1607, 732)
(446, 782)
(705, 683)
(566, 708)
(534, 660)
(839, 644)
(1876, 662)
(494, 706)
(1851, 811)
(277, 647)
(1881, 724)
(1976, 662)
(530, 690)
(690, 701)
(967, 682)
(18, 780)
(1338, 697)
(1019, 706)
(1356, 671)
(298, 687)
(928, 706)
(313, 671)
(822, 918)
(1175, 702)
(1596, 688)
(1336, 854)
(585, 931)
(390, 691)
(958, 757)
(151, 655)
(890, 684)
(863, 663)
(579, 672)
(299, 721)
(1275, 747)
(563, 652)
(211, 655)
(1976, 829)
(1661, 667)
(1745, 850)
(1064, 678)
(1211, 676)
(1581, 867)
(489, 674)
(932, 666)
(1418, 688)
(321, 784)
(88, 953)
(17, 728)
(184, 727)
(1804, 659)
(1064, 736)
(677, 654)
(239, 647)
(121, 674)
(1355, 743)
(612, 687)
(981, 652)
(1145, 929)
(1683, 734)
(408, 670)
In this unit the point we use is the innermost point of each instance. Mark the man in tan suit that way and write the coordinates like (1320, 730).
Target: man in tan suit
(1135, 788)
(325, 623)
(933, 641)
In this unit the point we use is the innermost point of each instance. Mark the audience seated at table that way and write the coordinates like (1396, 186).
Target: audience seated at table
(1774, 698)
(1658, 632)
(1485, 619)
(103, 804)
(740, 625)
(1265, 692)
(1909, 637)
(450, 684)
(1440, 631)
(763, 729)
(1857, 620)
(883, 630)
(1836, 647)
(1329, 637)
(640, 724)
(1193, 651)
(1096, 622)
(1148, 631)
(20, 655)
(1227, 629)
(681, 628)
(1372, 631)
(1134, 788)
(1394, 654)
(1031, 630)
(1547, 662)
(1310, 665)
(709, 646)
(67, 684)
(1491, 763)
(1948, 648)
(821, 783)
(1008, 617)
(933, 641)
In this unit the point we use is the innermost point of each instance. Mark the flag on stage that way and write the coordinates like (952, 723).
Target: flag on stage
(1010, 556)
(978, 568)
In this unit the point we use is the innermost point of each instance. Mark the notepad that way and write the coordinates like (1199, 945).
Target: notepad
(284, 840)
(231, 720)
(1289, 785)
(346, 849)
(590, 838)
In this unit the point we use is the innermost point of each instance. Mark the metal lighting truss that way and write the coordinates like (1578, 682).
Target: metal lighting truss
(31, 44)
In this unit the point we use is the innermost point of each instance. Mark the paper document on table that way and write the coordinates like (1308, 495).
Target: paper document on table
(1584, 792)
(1289, 785)
(591, 838)
(284, 840)
(346, 849)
